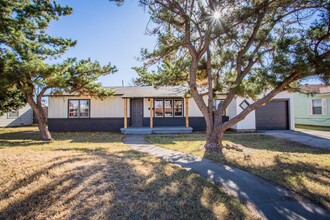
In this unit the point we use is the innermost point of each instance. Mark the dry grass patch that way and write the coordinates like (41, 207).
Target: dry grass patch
(95, 176)
(303, 169)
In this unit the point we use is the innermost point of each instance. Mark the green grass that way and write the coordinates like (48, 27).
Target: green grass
(312, 127)
(303, 169)
(96, 176)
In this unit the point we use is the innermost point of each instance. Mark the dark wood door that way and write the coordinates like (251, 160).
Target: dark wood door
(273, 116)
(136, 112)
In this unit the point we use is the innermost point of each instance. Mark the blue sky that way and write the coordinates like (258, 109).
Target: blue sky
(107, 33)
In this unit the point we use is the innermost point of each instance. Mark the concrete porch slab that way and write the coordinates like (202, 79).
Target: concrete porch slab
(156, 130)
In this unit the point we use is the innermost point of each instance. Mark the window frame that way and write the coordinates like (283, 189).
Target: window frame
(182, 108)
(89, 108)
(78, 113)
(172, 111)
(13, 117)
(312, 107)
(156, 116)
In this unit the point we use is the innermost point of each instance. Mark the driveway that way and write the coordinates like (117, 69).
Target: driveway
(320, 139)
(321, 134)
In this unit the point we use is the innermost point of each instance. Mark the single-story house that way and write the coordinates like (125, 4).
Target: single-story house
(158, 111)
(20, 117)
(312, 106)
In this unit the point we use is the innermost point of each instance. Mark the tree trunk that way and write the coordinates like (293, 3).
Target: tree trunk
(213, 144)
(41, 118)
(43, 129)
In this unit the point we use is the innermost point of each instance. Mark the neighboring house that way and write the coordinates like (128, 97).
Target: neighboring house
(312, 106)
(20, 117)
(161, 108)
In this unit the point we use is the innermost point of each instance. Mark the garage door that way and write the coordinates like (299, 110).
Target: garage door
(273, 116)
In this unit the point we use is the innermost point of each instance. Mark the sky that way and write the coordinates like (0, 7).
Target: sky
(107, 33)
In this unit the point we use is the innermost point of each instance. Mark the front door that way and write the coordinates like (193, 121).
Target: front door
(137, 112)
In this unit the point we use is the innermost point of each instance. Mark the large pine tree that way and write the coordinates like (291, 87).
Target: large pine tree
(24, 48)
(247, 48)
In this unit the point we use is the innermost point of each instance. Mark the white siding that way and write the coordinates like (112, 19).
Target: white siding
(231, 111)
(58, 107)
(249, 122)
(193, 108)
(108, 107)
(25, 118)
(146, 105)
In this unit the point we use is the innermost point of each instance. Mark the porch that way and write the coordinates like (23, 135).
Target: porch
(157, 130)
(143, 116)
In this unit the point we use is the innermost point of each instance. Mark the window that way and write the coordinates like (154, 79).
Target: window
(244, 104)
(84, 108)
(317, 107)
(79, 108)
(159, 108)
(13, 114)
(178, 108)
(168, 108)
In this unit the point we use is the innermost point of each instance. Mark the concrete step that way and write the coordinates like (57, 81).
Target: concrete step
(157, 130)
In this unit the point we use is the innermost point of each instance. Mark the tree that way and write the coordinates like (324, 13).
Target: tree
(247, 48)
(24, 49)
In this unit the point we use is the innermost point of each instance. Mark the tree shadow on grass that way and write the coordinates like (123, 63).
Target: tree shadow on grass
(265, 142)
(305, 178)
(124, 184)
(252, 141)
(312, 180)
(32, 138)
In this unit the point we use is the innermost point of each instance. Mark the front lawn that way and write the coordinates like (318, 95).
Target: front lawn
(301, 168)
(96, 176)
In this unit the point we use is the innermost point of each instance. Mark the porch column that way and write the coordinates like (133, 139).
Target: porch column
(187, 112)
(125, 112)
(151, 106)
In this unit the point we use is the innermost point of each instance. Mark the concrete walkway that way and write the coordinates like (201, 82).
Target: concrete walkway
(308, 139)
(273, 202)
(320, 134)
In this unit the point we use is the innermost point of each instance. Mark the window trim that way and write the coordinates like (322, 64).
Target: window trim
(156, 116)
(312, 107)
(181, 100)
(171, 100)
(10, 117)
(89, 108)
(163, 100)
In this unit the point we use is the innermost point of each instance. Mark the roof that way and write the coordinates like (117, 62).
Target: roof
(150, 91)
(316, 89)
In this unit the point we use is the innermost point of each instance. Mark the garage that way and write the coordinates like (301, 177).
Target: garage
(273, 116)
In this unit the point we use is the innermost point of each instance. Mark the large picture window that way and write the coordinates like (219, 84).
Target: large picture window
(178, 108)
(79, 108)
(159, 111)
